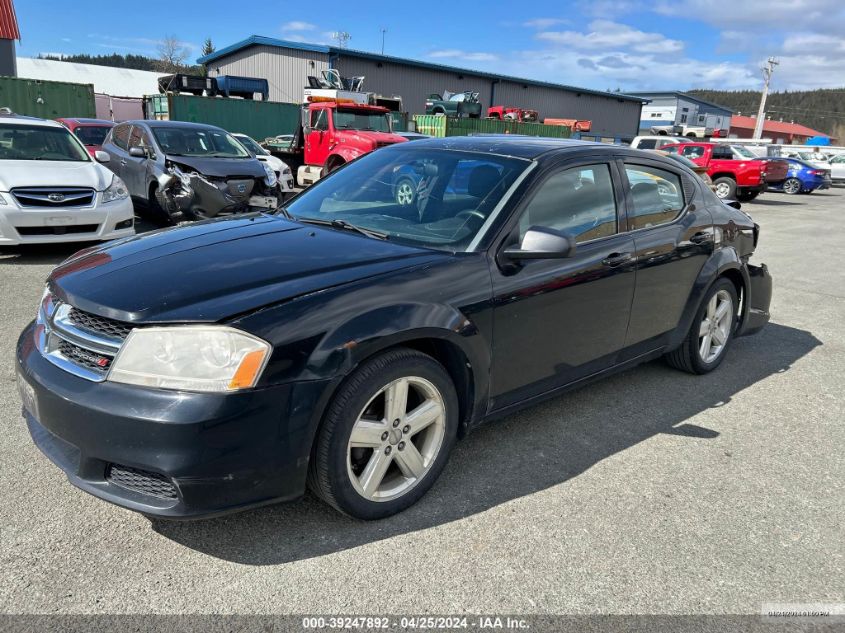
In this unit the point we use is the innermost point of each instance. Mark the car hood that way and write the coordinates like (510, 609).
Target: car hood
(213, 270)
(221, 167)
(53, 173)
(372, 137)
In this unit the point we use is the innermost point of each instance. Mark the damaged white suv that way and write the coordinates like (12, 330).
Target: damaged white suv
(52, 191)
(189, 170)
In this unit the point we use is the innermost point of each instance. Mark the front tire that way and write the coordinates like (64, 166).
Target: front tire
(386, 435)
(711, 333)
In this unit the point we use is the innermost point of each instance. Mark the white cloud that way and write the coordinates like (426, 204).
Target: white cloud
(457, 54)
(610, 36)
(298, 25)
(544, 23)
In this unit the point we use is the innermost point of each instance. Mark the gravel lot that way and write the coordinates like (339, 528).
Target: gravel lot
(650, 492)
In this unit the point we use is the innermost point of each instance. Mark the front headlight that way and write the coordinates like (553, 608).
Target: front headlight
(270, 179)
(2, 199)
(116, 190)
(191, 358)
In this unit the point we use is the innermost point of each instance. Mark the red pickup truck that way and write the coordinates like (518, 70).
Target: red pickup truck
(735, 176)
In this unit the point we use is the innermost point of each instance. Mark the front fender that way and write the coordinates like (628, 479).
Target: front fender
(345, 153)
(722, 260)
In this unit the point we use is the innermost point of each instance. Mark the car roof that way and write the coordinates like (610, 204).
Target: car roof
(527, 147)
(10, 119)
(156, 124)
(84, 121)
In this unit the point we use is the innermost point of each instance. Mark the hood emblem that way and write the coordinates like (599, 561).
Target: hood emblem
(241, 188)
(56, 197)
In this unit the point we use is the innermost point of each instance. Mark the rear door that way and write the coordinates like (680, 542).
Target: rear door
(558, 320)
(673, 236)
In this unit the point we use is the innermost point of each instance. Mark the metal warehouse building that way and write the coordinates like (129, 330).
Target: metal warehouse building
(287, 64)
(680, 108)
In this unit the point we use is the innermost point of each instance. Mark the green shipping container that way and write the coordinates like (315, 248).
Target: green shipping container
(47, 99)
(258, 119)
(441, 126)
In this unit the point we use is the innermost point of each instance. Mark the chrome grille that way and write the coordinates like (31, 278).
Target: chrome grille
(54, 196)
(141, 481)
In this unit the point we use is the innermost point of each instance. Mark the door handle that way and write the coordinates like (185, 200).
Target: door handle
(701, 237)
(617, 259)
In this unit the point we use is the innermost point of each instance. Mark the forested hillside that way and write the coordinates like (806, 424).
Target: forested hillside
(822, 110)
(116, 60)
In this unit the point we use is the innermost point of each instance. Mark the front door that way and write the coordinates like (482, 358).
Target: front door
(135, 168)
(317, 137)
(559, 320)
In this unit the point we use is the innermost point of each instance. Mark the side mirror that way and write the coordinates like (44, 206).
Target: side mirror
(101, 157)
(137, 152)
(735, 204)
(542, 243)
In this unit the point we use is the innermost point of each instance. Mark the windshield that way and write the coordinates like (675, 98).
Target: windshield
(742, 151)
(426, 197)
(251, 145)
(92, 134)
(357, 120)
(38, 142)
(812, 156)
(189, 141)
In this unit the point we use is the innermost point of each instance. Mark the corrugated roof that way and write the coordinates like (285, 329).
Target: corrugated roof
(260, 40)
(8, 21)
(780, 127)
(117, 82)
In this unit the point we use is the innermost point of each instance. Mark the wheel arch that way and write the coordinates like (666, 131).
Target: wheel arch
(723, 263)
(723, 174)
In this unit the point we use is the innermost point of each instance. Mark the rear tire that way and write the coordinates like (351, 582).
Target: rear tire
(725, 188)
(716, 319)
(386, 436)
(792, 186)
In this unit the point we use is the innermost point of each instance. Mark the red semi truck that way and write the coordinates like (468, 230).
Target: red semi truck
(734, 177)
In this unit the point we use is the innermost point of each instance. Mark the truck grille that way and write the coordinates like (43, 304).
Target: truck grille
(141, 481)
(54, 197)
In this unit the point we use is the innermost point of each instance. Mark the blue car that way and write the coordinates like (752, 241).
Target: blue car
(802, 178)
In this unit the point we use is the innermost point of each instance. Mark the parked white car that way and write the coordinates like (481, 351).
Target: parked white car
(51, 190)
(837, 169)
(656, 142)
(283, 172)
(816, 159)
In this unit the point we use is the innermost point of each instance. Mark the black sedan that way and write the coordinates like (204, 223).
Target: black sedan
(347, 341)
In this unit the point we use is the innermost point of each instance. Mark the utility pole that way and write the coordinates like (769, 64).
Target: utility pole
(383, 31)
(342, 37)
(761, 113)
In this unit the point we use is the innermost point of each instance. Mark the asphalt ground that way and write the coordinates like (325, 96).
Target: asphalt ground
(652, 491)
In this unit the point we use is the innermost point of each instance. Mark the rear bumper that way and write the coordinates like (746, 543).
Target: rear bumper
(757, 300)
(213, 453)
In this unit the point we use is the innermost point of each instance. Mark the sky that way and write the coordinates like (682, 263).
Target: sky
(599, 44)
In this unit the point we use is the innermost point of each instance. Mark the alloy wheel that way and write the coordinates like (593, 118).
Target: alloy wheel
(722, 190)
(792, 185)
(715, 327)
(404, 194)
(396, 438)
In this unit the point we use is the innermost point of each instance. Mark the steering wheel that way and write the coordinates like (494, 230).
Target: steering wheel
(468, 213)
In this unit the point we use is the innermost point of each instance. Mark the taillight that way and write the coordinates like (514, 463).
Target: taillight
(816, 172)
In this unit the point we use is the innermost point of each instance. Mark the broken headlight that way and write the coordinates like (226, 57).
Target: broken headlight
(270, 179)
(212, 358)
(115, 191)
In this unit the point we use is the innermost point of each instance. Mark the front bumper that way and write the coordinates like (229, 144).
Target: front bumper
(35, 225)
(757, 299)
(214, 453)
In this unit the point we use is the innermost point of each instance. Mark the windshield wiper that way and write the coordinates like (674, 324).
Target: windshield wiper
(284, 211)
(346, 226)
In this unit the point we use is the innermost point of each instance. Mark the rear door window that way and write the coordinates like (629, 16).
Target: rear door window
(657, 196)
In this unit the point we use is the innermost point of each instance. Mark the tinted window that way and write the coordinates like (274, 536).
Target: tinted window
(647, 143)
(577, 201)
(723, 152)
(430, 197)
(92, 134)
(657, 196)
(692, 151)
(120, 136)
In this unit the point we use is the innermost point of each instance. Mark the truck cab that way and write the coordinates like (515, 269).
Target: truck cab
(336, 132)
